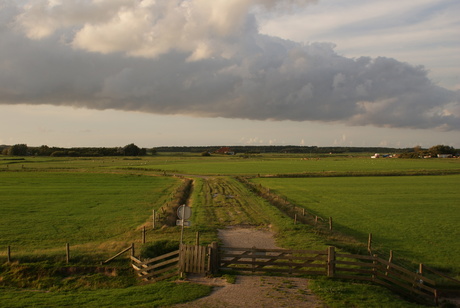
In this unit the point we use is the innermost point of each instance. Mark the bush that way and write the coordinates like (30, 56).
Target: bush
(159, 248)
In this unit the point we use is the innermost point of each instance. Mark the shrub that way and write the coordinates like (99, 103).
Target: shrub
(159, 248)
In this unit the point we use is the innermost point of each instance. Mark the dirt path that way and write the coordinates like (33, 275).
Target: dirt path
(254, 291)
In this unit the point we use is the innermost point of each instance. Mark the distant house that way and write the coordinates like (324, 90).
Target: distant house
(225, 150)
(444, 155)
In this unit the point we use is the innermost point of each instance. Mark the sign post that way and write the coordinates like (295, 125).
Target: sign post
(183, 212)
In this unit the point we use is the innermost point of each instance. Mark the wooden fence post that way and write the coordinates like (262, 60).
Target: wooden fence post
(330, 223)
(253, 253)
(197, 241)
(330, 261)
(182, 256)
(8, 254)
(214, 258)
(143, 235)
(303, 212)
(389, 261)
(369, 244)
(153, 220)
(67, 249)
(295, 219)
(374, 268)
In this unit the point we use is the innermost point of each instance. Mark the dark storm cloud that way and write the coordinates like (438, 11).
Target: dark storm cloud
(231, 71)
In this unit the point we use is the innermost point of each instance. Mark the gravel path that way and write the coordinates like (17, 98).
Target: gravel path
(254, 291)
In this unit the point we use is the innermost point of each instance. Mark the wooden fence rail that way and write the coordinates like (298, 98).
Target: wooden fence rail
(158, 268)
(329, 263)
(130, 248)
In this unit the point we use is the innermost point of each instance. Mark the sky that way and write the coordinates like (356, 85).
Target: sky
(108, 73)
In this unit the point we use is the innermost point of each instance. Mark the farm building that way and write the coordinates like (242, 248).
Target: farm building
(225, 150)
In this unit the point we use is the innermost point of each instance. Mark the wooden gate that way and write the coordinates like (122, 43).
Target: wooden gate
(194, 259)
(211, 259)
(188, 259)
(274, 260)
(329, 263)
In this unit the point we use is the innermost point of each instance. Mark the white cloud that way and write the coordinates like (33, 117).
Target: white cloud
(206, 58)
(418, 32)
(205, 28)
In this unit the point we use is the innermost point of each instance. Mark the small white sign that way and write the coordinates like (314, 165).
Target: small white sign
(187, 223)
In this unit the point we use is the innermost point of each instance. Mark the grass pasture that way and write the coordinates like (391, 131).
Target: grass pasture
(151, 295)
(415, 216)
(45, 210)
(98, 205)
(289, 164)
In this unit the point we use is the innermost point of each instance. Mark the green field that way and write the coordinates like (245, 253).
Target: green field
(417, 217)
(263, 164)
(266, 164)
(45, 210)
(160, 294)
(99, 206)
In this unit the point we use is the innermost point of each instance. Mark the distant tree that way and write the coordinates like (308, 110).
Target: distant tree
(59, 153)
(131, 150)
(153, 151)
(205, 153)
(18, 150)
(409, 155)
(43, 150)
(441, 149)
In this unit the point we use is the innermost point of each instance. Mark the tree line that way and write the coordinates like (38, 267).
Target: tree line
(134, 150)
(44, 150)
(260, 149)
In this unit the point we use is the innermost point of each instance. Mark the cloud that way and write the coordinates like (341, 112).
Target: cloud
(203, 58)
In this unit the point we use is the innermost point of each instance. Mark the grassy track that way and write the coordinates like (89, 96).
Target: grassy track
(44, 210)
(417, 217)
(226, 202)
